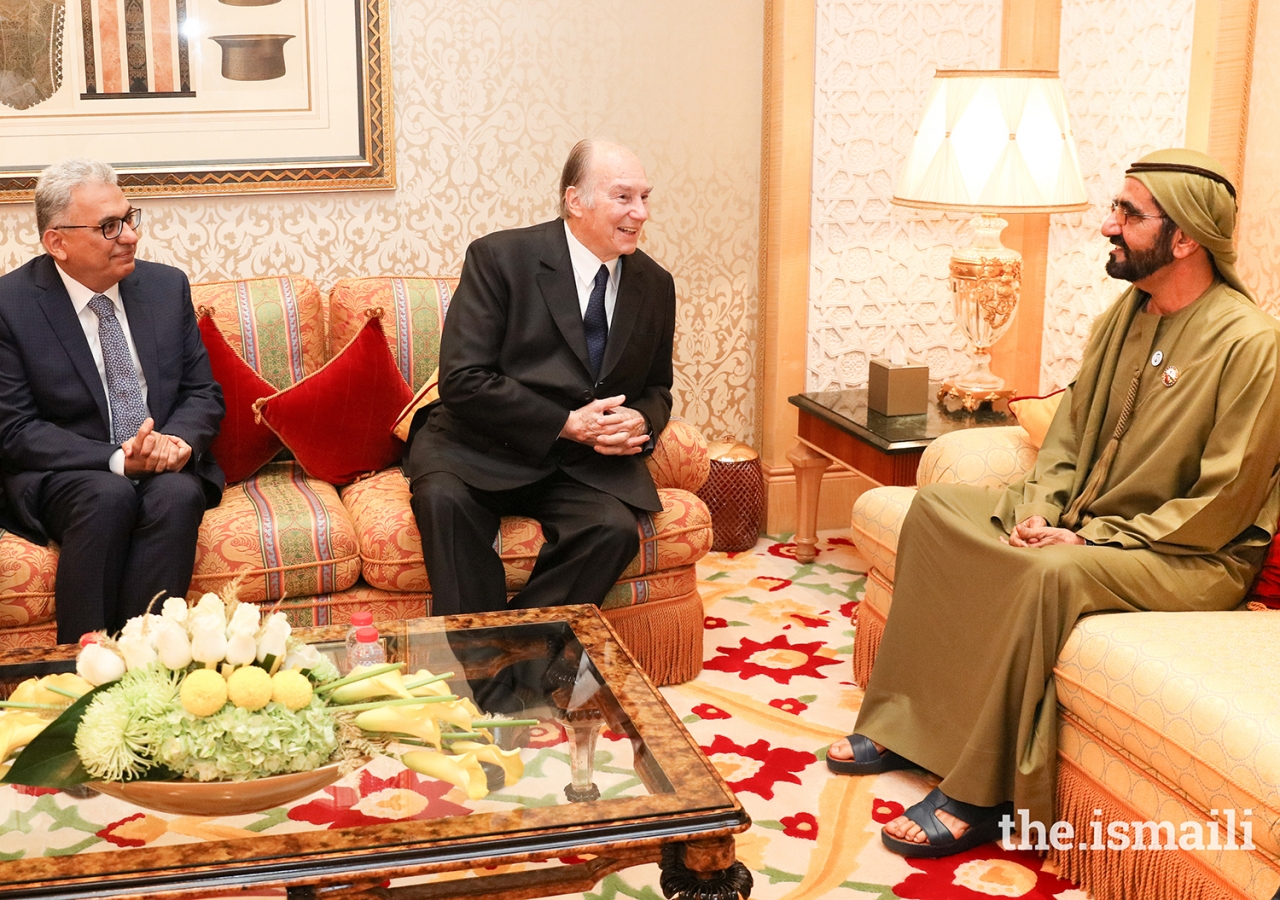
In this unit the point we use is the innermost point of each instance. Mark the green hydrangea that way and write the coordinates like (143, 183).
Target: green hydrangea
(236, 744)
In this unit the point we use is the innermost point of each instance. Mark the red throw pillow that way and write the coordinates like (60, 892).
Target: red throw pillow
(1266, 587)
(337, 421)
(243, 445)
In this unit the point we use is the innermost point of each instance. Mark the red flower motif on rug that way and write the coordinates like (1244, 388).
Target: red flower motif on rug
(786, 551)
(777, 658)
(986, 871)
(714, 622)
(403, 796)
(546, 734)
(790, 704)
(758, 767)
(847, 608)
(707, 711)
(801, 825)
(769, 583)
(885, 811)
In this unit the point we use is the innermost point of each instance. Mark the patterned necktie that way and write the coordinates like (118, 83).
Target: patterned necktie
(595, 324)
(123, 391)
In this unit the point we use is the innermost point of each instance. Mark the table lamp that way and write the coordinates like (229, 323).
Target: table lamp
(990, 142)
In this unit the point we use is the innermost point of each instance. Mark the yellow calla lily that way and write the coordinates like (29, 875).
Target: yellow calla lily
(388, 684)
(462, 771)
(509, 760)
(18, 727)
(416, 721)
(36, 690)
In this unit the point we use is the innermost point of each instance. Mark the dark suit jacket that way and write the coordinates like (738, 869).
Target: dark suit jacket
(513, 364)
(53, 408)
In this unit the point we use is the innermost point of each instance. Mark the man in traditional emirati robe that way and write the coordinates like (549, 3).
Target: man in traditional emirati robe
(1156, 489)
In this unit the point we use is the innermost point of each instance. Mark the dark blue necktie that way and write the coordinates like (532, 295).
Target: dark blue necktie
(595, 324)
(123, 391)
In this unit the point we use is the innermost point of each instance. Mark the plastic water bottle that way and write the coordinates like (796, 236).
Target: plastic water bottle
(367, 650)
(359, 619)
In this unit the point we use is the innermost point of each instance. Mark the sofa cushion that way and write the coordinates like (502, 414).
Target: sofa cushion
(1035, 414)
(1266, 587)
(288, 534)
(1181, 699)
(680, 458)
(876, 522)
(337, 421)
(243, 445)
(412, 315)
(275, 324)
(988, 457)
(391, 545)
(26, 581)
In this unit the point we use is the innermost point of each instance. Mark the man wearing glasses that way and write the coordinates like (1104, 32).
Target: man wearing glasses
(1157, 487)
(107, 405)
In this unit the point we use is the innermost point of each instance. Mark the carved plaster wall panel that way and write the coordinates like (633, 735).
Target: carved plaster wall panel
(1125, 68)
(1259, 229)
(878, 272)
(489, 96)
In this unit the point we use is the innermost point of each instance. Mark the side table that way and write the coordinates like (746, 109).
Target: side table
(836, 426)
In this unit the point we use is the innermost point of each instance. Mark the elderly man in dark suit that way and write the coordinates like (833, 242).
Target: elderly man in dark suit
(555, 377)
(107, 405)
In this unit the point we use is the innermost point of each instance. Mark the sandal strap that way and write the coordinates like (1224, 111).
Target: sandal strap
(864, 751)
(924, 814)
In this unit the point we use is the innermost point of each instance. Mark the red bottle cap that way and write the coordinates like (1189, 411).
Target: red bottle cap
(366, 634)
(361, 617)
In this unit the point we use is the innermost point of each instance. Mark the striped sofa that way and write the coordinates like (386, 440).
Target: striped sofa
(322, 551)
(1162, 717)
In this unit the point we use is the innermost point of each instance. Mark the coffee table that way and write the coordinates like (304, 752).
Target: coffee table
(837, 426)
(612, 780)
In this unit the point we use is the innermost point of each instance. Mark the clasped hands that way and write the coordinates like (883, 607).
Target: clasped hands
(149, 452)
(1034, 531)
(609, 427)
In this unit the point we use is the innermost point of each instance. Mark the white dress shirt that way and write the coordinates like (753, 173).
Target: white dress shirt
(585, 267)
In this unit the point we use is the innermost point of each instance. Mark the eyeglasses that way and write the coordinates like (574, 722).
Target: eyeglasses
(1123, 215)
(112, 228)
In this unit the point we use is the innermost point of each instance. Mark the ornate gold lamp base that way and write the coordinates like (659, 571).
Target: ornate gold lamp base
(954, 398)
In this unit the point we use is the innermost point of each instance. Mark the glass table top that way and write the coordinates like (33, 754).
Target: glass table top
(847, 410)
(606, 761)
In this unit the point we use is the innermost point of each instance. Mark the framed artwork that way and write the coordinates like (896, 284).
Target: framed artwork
(198, 96)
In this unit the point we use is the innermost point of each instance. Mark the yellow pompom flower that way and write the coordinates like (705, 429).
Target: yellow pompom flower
(290, 688)
(249, 687)
(203, 692)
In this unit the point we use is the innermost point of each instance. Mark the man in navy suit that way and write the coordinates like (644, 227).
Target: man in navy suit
(555, 377)
(107, 406)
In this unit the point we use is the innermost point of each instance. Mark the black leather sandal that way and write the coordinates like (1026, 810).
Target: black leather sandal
(867, 760)
(983, 822)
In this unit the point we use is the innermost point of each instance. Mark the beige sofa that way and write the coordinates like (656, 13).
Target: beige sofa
(1163, 717)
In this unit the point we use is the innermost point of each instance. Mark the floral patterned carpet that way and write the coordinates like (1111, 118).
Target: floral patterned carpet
(774, 692)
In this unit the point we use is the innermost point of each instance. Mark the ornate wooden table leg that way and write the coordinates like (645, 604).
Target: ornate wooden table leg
(809, 465)
(704, 870)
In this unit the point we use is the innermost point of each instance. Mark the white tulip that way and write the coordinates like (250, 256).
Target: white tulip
(138, 649)
(209, 605)
(274, 638)
(241, 648)
(98, 665)
(172, 644)
(304, 657)
(175, 610)
(208, 638)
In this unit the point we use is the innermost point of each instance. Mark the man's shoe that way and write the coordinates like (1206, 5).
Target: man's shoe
(983, 822)
(867, 760)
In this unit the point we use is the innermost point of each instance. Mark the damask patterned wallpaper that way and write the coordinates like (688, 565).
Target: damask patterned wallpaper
(878, 273)
(1125, 69)
(490, 95)
(1259, 241)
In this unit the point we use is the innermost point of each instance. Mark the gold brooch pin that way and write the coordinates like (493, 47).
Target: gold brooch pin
(1170, 376)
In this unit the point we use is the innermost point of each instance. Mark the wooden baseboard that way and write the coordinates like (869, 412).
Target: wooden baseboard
(840, 488)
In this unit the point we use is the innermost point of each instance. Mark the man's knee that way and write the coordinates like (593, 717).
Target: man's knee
(437, 496)
(103, 500)
(172, 498)
(617, 528)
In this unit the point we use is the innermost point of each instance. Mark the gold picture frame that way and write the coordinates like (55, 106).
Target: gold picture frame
(199, 96)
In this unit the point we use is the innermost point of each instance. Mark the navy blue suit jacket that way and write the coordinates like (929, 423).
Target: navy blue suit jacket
(53, 408)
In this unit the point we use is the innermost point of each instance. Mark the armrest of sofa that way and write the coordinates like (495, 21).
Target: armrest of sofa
(987, 457)
(680, 458)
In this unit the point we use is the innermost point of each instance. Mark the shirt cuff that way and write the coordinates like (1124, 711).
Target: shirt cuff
(116, 463)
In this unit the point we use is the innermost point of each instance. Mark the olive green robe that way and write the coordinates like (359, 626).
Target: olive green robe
(963, 681)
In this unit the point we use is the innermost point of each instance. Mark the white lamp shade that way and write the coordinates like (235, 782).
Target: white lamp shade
(998, 141)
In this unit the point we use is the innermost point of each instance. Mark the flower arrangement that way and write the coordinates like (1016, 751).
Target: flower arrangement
(221, 692)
